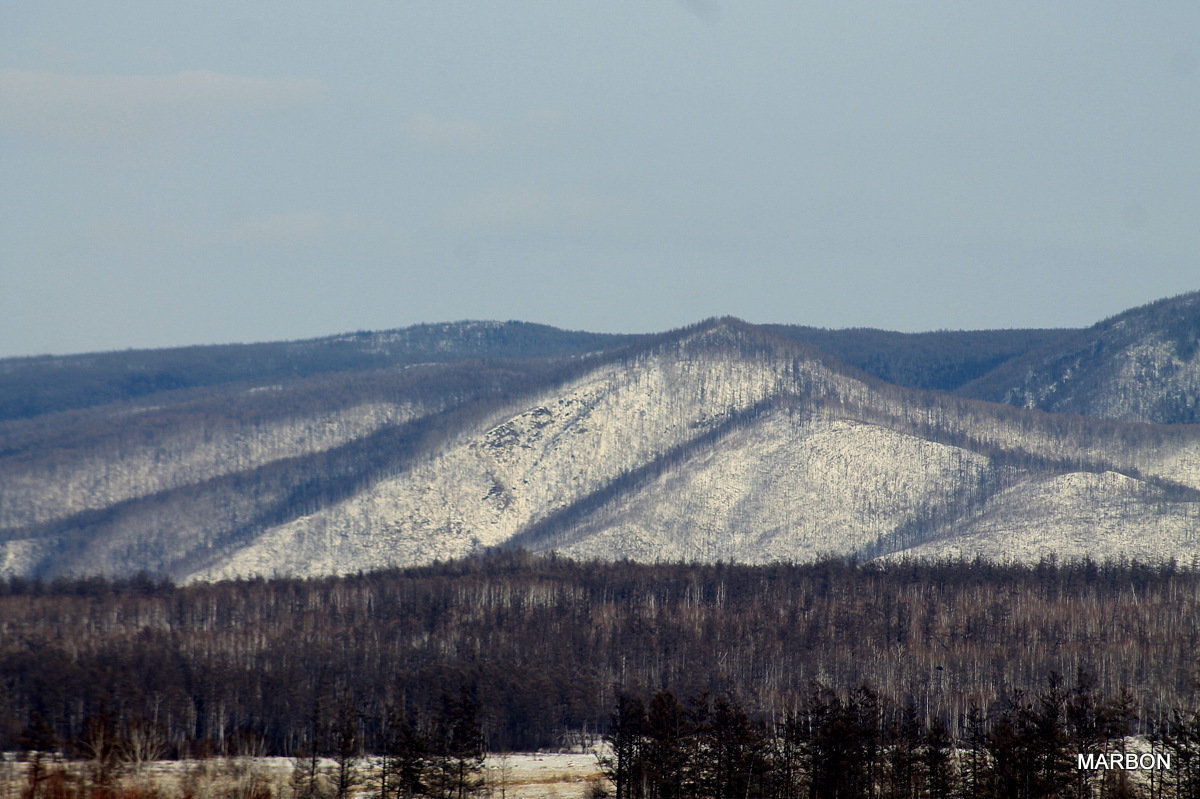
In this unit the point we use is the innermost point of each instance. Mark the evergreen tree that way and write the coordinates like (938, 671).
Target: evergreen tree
(834, 741)
(404, 757)
(1012, 767)
(456, 756)
(937, 761)
(667, 731)
(1085, 729)
(972, 763)
(731, 752)
(904, 754)
(626, 741)
(347, 748)
(1052, 751)
(1183, 743)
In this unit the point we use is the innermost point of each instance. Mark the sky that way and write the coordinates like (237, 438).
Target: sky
(192, 173)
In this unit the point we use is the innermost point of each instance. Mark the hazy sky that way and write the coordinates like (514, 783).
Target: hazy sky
(178, 173)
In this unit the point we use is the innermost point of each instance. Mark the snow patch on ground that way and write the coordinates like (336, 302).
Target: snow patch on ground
(18, 556)
(1074, 516)
(527, 775)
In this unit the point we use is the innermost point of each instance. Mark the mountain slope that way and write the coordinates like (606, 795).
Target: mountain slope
(941, 360)
(1141, 365)
(724, 443)
(1074, 516)
(721, 441)
(495, 478)
(166, 485)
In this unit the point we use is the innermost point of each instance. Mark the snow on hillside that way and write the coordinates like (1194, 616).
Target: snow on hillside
(60, 484)
(717, 442)
(1140, 366)
(1141, 381)
(831, 465)
(1077, 515)
(790, 488)
(491, 482)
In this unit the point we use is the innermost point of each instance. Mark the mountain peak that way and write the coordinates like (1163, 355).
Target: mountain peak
(723, 440)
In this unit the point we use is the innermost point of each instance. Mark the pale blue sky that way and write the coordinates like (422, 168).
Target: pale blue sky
(177, 173)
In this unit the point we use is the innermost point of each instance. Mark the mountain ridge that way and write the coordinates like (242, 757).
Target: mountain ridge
(720, 440)
(1142, 364)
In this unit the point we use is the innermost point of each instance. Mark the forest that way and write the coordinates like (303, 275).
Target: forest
(46, 384)
(942, 360)
(29, 387)
(857, 743)
(549, 650)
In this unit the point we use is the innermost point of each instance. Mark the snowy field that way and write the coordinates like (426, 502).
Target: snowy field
(544, 775)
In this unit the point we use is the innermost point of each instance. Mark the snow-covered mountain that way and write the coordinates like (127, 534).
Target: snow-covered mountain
(1142, 365)
(722, 441)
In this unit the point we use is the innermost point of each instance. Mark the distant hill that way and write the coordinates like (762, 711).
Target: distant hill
(38, 385)
(1141, 365)
(941, 360)
(937, 361)
(720, 441)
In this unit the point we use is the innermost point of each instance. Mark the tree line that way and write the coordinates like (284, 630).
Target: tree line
(850, 743)
(440, 757)
(854, 743)
(542, 642)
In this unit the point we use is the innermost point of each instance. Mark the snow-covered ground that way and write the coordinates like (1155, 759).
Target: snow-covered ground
(535, 775)
(543, 775)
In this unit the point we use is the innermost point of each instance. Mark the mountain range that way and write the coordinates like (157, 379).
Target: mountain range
(722, 441)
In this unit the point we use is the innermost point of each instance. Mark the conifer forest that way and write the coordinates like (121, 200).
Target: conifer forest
(830, 679)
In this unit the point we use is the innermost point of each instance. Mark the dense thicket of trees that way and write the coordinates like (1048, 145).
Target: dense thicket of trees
(856, 743)
(542, 642)
(939, 360)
